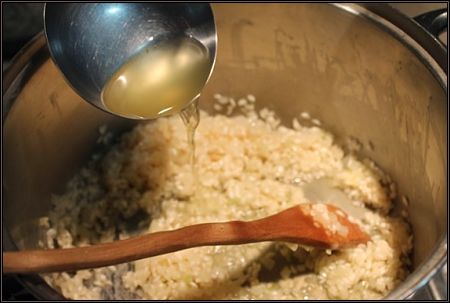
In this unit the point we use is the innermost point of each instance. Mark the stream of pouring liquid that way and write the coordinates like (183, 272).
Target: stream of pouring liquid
(162, 79)
(191, 118)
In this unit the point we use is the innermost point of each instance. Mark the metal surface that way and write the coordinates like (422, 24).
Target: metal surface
(356, 70)
(413, 30)
(414, 9)
(90, 41)
(435, 22)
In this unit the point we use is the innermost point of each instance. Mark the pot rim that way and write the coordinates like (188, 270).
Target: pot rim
(432, 54)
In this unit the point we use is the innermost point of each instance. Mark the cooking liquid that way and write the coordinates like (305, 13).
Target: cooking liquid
(191, 118)
(160, 80)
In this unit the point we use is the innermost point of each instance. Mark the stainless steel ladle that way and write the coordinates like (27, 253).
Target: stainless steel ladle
(90, 41)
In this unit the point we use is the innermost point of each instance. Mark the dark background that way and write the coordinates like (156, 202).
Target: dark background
(20, 22)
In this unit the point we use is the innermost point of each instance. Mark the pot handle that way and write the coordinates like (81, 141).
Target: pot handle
(435, 21)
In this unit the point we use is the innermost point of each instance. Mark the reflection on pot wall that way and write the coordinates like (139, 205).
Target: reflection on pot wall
(358, 80)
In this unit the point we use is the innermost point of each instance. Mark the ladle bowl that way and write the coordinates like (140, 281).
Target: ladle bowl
(90, 41)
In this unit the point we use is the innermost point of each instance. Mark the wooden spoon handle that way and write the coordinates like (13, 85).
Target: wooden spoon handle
(294, 225)
(132, 249)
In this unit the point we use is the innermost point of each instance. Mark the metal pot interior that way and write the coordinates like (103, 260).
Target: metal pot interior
(342, 68)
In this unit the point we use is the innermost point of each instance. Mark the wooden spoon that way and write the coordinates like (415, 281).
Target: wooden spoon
(318, 225)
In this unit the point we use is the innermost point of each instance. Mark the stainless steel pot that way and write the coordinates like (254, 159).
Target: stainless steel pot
(366, 71)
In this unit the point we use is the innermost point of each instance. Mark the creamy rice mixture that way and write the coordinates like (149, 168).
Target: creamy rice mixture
(248, 166)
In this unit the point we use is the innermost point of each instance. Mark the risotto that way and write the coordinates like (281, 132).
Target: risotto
(247, 166)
